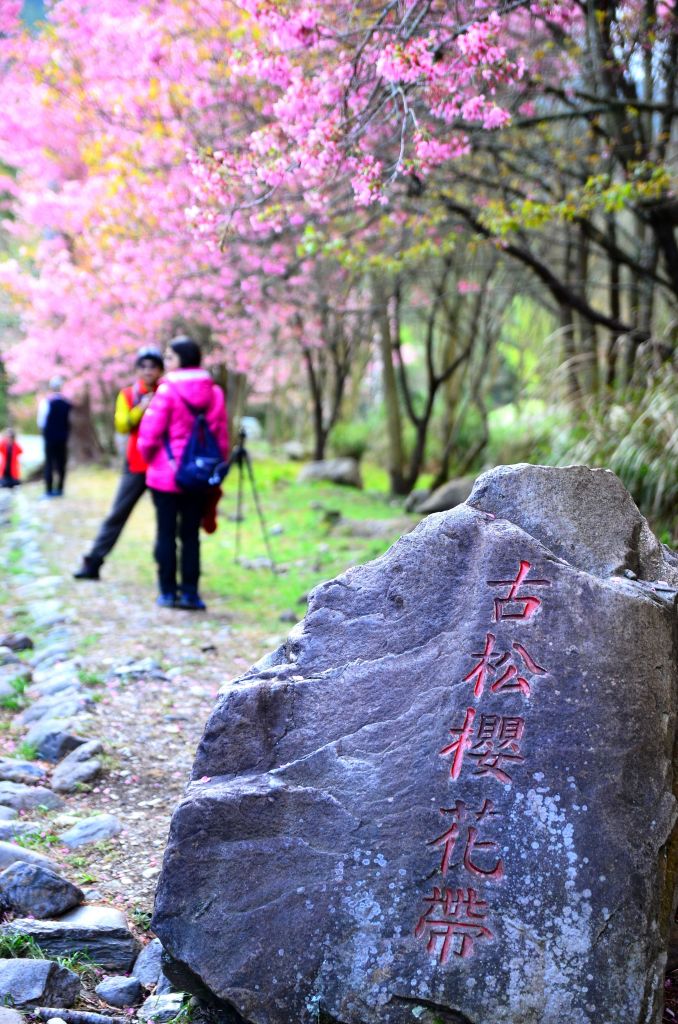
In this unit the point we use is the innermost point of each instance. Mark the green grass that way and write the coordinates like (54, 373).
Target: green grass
(82, 963)
(18, 946)
(15, 701)
(307, 546)
(40, 841)
(141, 918)
(27, 751)
(90, 679)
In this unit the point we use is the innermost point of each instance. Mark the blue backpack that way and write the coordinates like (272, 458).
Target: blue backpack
(202, 464)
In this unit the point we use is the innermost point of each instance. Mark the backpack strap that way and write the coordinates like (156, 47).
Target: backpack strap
(193, 409)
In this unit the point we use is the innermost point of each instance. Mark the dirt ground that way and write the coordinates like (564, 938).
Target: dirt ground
(150, 726)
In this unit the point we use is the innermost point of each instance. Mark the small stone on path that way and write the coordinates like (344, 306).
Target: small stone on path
(26, 798)
(10, 853)
(148, 964)
(80, 766)
(161, 1008)
(91, 830)
(13, 770)
(9, 1016)
(120, 992)
(53, 738)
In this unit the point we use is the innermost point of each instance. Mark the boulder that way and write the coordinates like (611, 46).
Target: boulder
(37, 982)
(447, 496)
(449, 795)
(101, 932)
(344, 471)
(295, 451)
(37, 891)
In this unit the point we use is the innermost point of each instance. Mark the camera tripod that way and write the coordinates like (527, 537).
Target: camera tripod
(240, 457)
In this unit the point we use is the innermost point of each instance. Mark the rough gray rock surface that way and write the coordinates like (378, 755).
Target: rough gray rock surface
(102, 932)
(562, 509)
(34, 982)
(35, 890)
(449, 795)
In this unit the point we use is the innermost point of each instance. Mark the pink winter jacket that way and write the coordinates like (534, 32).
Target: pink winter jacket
(168, 417)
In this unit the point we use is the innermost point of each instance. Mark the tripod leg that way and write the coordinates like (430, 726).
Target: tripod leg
(262, 522)
(238, 511)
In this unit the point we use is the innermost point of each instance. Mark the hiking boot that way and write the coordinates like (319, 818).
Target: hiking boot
(89, 570)
(166, 601)
(191, 601)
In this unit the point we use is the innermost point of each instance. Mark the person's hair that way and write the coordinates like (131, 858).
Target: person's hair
(152, 354)
(56, 383)
(187, 351)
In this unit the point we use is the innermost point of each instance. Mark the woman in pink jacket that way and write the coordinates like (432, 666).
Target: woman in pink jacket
(185, 390)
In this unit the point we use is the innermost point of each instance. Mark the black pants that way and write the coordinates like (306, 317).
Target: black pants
(178, 514)
(56, 453)
(130, 489)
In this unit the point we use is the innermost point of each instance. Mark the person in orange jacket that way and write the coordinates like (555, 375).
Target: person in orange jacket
(10, 450)
(130, 407)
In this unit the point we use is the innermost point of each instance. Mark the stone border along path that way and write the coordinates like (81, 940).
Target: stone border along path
(115, 732)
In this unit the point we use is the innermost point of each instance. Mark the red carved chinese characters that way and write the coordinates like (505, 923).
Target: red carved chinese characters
(511, 678)
(487, 745)
(453, 914)
(529, 603)
(461, 815)
(497, 743)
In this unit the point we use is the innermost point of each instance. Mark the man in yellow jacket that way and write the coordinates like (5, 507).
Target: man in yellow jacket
(130, 406)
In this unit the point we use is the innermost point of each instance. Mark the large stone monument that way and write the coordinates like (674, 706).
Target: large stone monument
(449, 796)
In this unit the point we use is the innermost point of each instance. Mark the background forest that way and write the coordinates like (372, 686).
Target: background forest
(436, 235)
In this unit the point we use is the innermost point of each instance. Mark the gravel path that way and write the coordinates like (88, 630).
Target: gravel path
(149, 725)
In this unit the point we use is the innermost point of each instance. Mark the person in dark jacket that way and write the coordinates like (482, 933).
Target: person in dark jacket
(54, 420)
(131, 404)
(165, 431)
